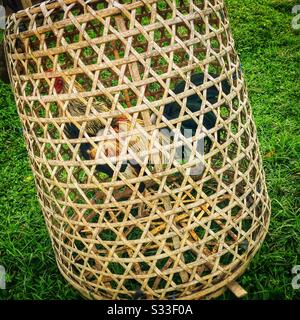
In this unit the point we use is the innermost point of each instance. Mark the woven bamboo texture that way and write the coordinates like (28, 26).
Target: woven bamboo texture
(182, 236)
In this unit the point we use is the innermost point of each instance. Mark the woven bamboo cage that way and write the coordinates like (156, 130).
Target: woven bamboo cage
(182, 235)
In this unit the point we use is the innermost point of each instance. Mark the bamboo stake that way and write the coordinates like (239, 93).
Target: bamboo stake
(237, 289)
(134, 70)
(26, 3)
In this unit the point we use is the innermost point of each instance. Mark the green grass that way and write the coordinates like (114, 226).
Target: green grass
(270, 53)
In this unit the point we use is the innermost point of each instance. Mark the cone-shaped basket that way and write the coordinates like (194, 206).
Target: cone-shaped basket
(161, 226)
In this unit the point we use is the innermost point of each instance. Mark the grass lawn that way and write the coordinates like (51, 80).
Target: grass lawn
(270, 53)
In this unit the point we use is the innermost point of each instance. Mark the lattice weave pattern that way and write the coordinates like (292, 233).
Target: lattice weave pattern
(159, 230)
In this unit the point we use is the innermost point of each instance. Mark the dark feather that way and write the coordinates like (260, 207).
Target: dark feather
(14, 5)
(139, 295)
(194, 103)
(138, 169)
(72, 132)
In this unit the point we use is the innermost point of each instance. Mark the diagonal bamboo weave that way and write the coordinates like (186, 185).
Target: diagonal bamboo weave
(184, 236)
